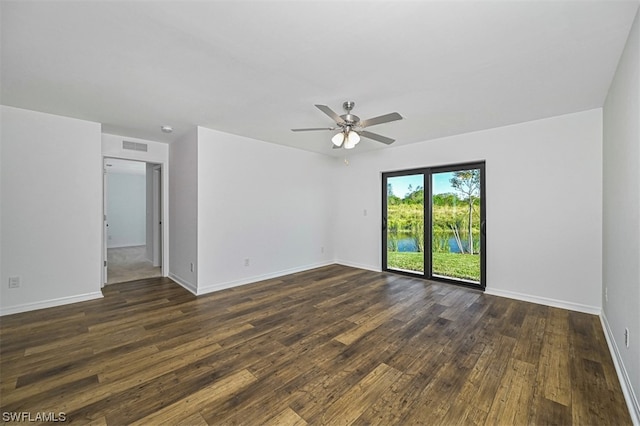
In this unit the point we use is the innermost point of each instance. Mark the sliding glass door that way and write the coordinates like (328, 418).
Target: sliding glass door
(434, 223)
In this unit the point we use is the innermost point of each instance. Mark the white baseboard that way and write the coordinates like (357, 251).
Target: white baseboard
(189, 286)
(250, 280)
(623, 377)
(359, 265)
(49, 303)
(593, 310)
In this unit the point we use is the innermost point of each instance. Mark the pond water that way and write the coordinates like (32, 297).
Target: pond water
(409, 245)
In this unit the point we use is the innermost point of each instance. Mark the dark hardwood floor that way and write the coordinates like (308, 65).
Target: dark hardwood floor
(334, 345)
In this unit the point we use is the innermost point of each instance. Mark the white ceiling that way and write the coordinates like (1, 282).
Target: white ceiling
(257, 68)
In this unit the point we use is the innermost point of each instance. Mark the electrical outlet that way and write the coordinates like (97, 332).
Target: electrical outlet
(191, 265)
(626, 337)
(606, 294)
(14, 282)
(246, 262)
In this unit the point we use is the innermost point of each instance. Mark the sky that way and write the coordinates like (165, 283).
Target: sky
(400, 184)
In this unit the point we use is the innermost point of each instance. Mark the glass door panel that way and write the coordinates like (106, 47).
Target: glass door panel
(404, 223)
(456, 218)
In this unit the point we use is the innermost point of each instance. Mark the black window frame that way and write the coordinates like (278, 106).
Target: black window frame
(427, 173)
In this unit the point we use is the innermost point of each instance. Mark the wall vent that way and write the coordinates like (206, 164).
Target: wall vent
(135, 146)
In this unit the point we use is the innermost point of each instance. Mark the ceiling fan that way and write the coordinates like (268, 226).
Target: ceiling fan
(351, 128)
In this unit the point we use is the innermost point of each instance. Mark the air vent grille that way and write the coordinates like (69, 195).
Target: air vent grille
(134, 146)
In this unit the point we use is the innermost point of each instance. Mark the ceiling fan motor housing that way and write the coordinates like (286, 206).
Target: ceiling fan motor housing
(350, 119)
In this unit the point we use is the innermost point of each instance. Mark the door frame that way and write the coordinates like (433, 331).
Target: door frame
(157, 214)
(427, 173)
(164, 211)
(105, 224)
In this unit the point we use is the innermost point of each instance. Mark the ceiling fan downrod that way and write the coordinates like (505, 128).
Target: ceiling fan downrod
(348, 106)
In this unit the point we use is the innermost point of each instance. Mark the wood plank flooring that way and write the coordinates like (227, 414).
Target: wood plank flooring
(334, 345)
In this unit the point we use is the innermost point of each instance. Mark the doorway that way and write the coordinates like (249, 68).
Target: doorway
(133, 230)
(433, 223)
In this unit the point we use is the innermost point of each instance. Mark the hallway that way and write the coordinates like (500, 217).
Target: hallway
(128, 264)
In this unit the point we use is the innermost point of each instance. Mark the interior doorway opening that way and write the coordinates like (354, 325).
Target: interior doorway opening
(133, 230)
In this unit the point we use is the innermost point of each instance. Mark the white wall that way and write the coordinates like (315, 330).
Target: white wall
(235, 198)
(544, 207)
(621, 217)
(183, 210)
(263, 202)
(51, 209)
(126, 209)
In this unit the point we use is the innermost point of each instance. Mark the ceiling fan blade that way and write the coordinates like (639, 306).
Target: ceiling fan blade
(312, 129)
(335, 117)
(376, 137)
(393, 116)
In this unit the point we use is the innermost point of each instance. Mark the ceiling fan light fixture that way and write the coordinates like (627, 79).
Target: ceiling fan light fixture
(338, 139)
(353, 137)
(351, 140)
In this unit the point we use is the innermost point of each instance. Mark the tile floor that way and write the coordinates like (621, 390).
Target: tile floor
(128, 264)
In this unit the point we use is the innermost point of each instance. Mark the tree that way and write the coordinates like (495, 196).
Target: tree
(416, 196)
(392, 199)
(467, 182)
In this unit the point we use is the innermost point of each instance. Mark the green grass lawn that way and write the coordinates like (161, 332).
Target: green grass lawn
(456, 265)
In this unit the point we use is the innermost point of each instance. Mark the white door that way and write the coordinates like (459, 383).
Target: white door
(105, 224)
